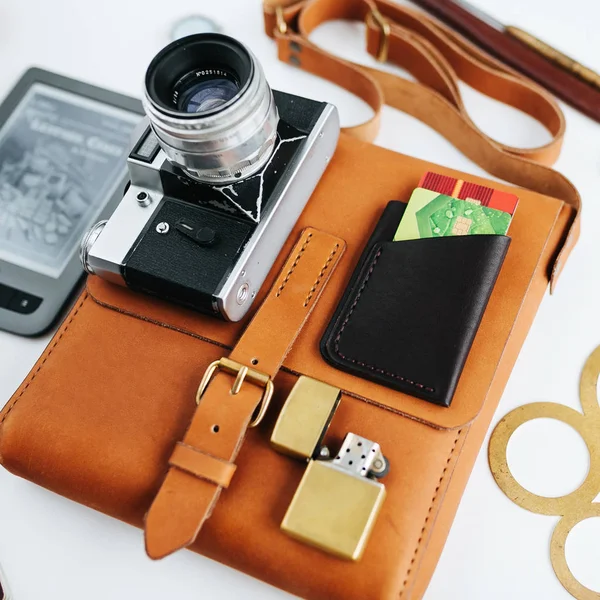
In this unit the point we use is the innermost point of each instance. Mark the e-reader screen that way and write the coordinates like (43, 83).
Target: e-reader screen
(61, 157)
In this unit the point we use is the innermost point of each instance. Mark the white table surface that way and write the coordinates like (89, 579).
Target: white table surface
(53, 548)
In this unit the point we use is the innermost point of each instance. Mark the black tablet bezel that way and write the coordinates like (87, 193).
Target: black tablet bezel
(59, 291)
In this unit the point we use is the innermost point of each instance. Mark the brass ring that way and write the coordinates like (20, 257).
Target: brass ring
(585, 493)
(559, 558)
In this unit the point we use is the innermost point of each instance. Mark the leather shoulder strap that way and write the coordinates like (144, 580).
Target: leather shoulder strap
(438, 58)
(234, 395)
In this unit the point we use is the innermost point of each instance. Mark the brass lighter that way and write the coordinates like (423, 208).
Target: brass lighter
(337, 502)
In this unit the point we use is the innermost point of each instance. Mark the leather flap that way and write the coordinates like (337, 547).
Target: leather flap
(347, 206)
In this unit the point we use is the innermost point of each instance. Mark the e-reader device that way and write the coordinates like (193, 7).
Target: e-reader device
(63, 154)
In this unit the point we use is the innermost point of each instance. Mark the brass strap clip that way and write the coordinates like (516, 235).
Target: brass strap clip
(386, 30)
(243, 374)
(282, 26)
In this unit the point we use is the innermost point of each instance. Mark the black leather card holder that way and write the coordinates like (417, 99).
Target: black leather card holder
(411, 311)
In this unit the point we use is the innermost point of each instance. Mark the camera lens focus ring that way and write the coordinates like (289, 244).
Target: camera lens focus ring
(211, 108)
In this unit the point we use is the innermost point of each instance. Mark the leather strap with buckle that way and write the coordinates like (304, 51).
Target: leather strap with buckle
(437, 57)
(234, 394)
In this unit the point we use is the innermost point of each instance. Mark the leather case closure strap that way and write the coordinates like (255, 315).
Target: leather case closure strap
(234, 395)
(438, 58)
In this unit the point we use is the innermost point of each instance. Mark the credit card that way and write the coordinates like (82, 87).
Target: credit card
(430, 214)
(465, 190)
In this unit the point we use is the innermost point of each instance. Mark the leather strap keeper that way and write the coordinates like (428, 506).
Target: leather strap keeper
(202, 465)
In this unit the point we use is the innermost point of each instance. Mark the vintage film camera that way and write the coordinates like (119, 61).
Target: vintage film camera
(218, 179)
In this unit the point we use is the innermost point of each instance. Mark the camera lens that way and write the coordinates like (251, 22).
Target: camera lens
(207, 94)
(211, 108)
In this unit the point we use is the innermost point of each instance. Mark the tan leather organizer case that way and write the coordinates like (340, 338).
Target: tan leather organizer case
(97, 418)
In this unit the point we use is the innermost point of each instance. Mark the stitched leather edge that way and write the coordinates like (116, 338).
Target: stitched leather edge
(294, 265)
(422, 536)
(8, 409)
(313, 289)
(338, 337)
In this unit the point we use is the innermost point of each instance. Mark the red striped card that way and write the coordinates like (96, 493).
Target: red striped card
(465, 190)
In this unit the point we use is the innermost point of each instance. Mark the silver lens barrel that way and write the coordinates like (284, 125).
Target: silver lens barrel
(221, 145)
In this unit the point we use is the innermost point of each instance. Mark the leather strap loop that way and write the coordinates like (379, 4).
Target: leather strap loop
(356, 80)
(202, 465)
(438, 58)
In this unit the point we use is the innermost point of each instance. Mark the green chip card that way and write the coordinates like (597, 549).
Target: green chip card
(430, 214)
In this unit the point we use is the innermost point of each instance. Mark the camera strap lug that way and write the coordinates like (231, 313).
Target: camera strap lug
(234, 394)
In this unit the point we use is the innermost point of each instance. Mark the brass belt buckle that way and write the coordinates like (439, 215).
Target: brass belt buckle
(242, 373)
(386, 30)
